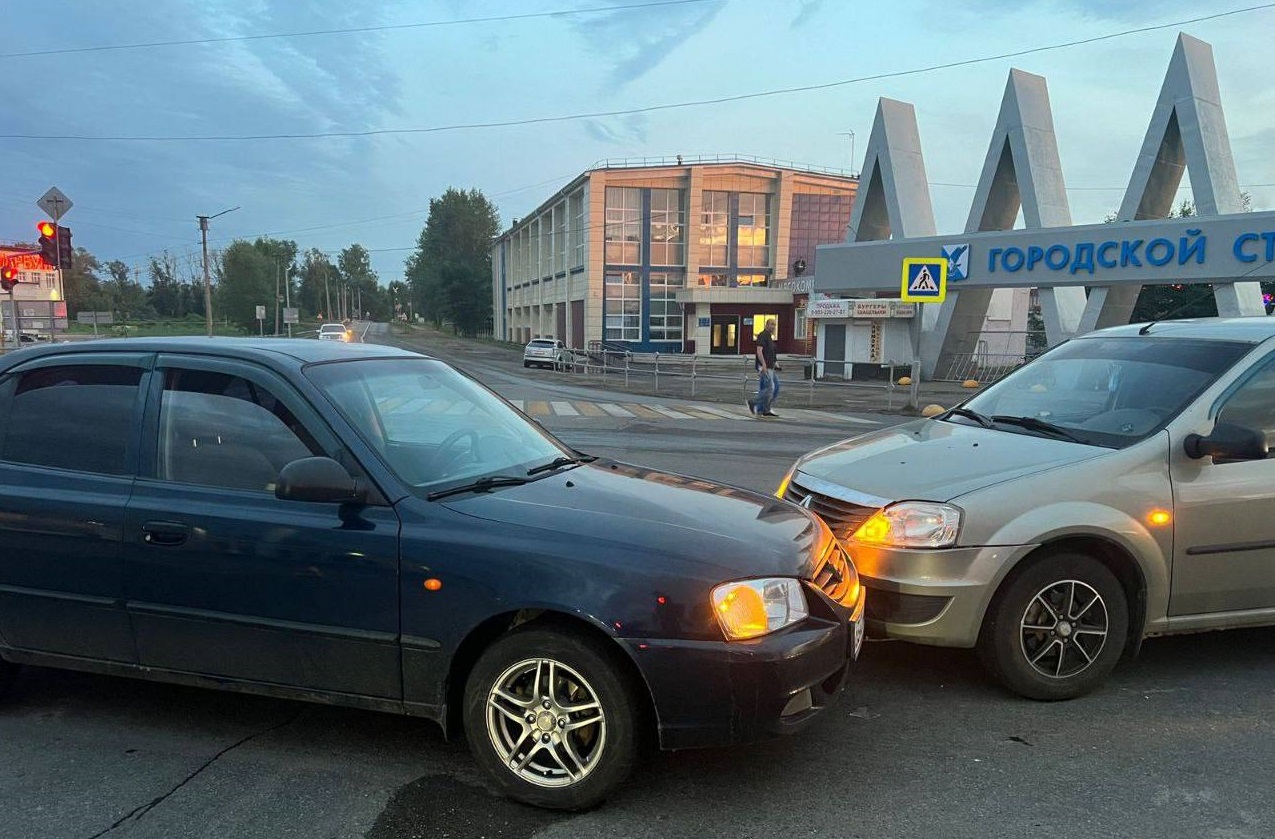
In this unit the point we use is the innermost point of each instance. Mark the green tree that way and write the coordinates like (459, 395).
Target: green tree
(81, 285)
(124, 295)
(361, 283)
(317, 283)
(249, 275)
(450, 272)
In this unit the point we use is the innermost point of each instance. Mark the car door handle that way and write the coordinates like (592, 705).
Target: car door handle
(165, 533)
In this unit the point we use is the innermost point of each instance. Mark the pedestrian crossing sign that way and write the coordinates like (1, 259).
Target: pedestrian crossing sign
(925, 279)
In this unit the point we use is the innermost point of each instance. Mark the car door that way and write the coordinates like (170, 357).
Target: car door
(223, 578)
(69, 434)
(1224, 534)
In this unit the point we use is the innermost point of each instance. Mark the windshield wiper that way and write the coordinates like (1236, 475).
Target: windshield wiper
(1034, 424)
(485, 484)
(559, 462)
(969, 414)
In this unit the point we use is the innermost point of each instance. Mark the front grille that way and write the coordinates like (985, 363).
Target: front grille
(842, 517)
(835, 577)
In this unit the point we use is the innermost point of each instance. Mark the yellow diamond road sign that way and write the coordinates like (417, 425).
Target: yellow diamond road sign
(925, 279)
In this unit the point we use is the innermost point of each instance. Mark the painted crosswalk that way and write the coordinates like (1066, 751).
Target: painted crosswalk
(582, 408)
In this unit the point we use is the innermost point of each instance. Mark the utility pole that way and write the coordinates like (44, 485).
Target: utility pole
(849, 134)
(277, 298)
(287, 297)
(203, 236)
(327, 293)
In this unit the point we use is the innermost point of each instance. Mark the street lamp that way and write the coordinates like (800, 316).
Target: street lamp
(203, 235)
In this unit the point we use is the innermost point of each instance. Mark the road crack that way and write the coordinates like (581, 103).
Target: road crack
(140, 812)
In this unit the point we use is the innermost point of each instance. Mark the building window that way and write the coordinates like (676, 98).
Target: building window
(714, 278)
(623, 306)
(751, 279)
(623, 226)
(799, 323)
(666, 312)
(753, 230)
(560, 238)
(668, 227)
(576, 204)
(714, 221)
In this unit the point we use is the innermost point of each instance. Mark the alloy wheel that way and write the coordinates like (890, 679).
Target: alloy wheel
(546, 723)
(1064, 629)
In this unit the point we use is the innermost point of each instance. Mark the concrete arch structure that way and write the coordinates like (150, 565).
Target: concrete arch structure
(1022, 171)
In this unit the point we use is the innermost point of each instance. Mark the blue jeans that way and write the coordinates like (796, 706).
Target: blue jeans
(767, 391)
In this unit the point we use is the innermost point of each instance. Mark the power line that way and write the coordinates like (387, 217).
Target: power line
(353, 30)
(640, 110)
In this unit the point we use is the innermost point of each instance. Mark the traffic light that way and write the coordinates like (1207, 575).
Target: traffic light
(48, 242)
(8, 278)
(64, 248)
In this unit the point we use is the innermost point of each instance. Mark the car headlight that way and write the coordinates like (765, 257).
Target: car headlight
(912, 524)
(752, 608)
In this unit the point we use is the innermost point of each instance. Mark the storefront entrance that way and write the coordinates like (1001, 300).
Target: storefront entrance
(725, 335)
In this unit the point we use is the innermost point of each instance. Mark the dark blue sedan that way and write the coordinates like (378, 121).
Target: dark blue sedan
(363, 525)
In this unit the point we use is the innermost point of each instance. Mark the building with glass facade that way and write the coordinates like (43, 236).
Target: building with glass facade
(680, 255)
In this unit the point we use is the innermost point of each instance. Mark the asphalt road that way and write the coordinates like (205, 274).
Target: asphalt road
(1177, 744)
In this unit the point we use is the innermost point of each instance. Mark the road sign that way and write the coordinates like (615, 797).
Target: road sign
(291, 315)
(261, 313)
(55, 203)
(924, 279)
(95, 317)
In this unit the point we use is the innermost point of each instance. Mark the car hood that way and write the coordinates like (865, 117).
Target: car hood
(931, 460)
(727, 532)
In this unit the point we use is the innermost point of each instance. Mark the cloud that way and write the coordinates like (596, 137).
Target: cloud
(809, 8)
(636, 41)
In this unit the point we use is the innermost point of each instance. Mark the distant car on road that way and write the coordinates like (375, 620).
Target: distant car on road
(1118, 487)
(544, 352)
(335, 332)
(366, 526)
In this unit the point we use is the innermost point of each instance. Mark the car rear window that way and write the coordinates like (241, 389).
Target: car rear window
(541, 342)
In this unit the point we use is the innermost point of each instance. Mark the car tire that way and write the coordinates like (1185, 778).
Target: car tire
(517, 713)
(1056, 629)
(526, 364)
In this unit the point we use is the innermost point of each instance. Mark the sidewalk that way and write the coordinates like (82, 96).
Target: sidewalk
(729, 383)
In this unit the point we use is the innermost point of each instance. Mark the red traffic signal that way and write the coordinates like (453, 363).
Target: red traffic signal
(8, 278)
(48, 242)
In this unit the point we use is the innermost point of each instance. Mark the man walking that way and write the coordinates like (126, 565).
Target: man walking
(767, 374)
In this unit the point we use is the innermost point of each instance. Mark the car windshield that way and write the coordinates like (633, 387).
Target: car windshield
(332, 327)
(431, 425)
(1103, 391)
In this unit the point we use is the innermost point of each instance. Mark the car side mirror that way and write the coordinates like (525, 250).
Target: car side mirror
(318, 479)
(1227, 441)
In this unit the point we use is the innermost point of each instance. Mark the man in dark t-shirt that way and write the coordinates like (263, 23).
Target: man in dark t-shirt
(767, 374)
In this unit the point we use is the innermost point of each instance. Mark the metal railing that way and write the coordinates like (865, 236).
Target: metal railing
(996, 355)
(688, 159)
(693, 372)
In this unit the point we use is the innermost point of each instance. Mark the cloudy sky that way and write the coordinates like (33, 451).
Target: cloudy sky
(134, 197)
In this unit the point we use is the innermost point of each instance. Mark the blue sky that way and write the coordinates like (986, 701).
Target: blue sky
(133, 198)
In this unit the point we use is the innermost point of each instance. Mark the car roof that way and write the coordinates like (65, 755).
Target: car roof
(301, 350)
(1251, 329)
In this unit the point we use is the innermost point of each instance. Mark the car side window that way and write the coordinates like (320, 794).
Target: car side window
(1252, 405)
(73, 417)
(220, 430)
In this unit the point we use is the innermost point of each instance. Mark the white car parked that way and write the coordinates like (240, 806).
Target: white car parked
(545, 352)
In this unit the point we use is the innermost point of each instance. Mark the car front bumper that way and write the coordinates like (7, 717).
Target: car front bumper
(718, 693)
(935, 597)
